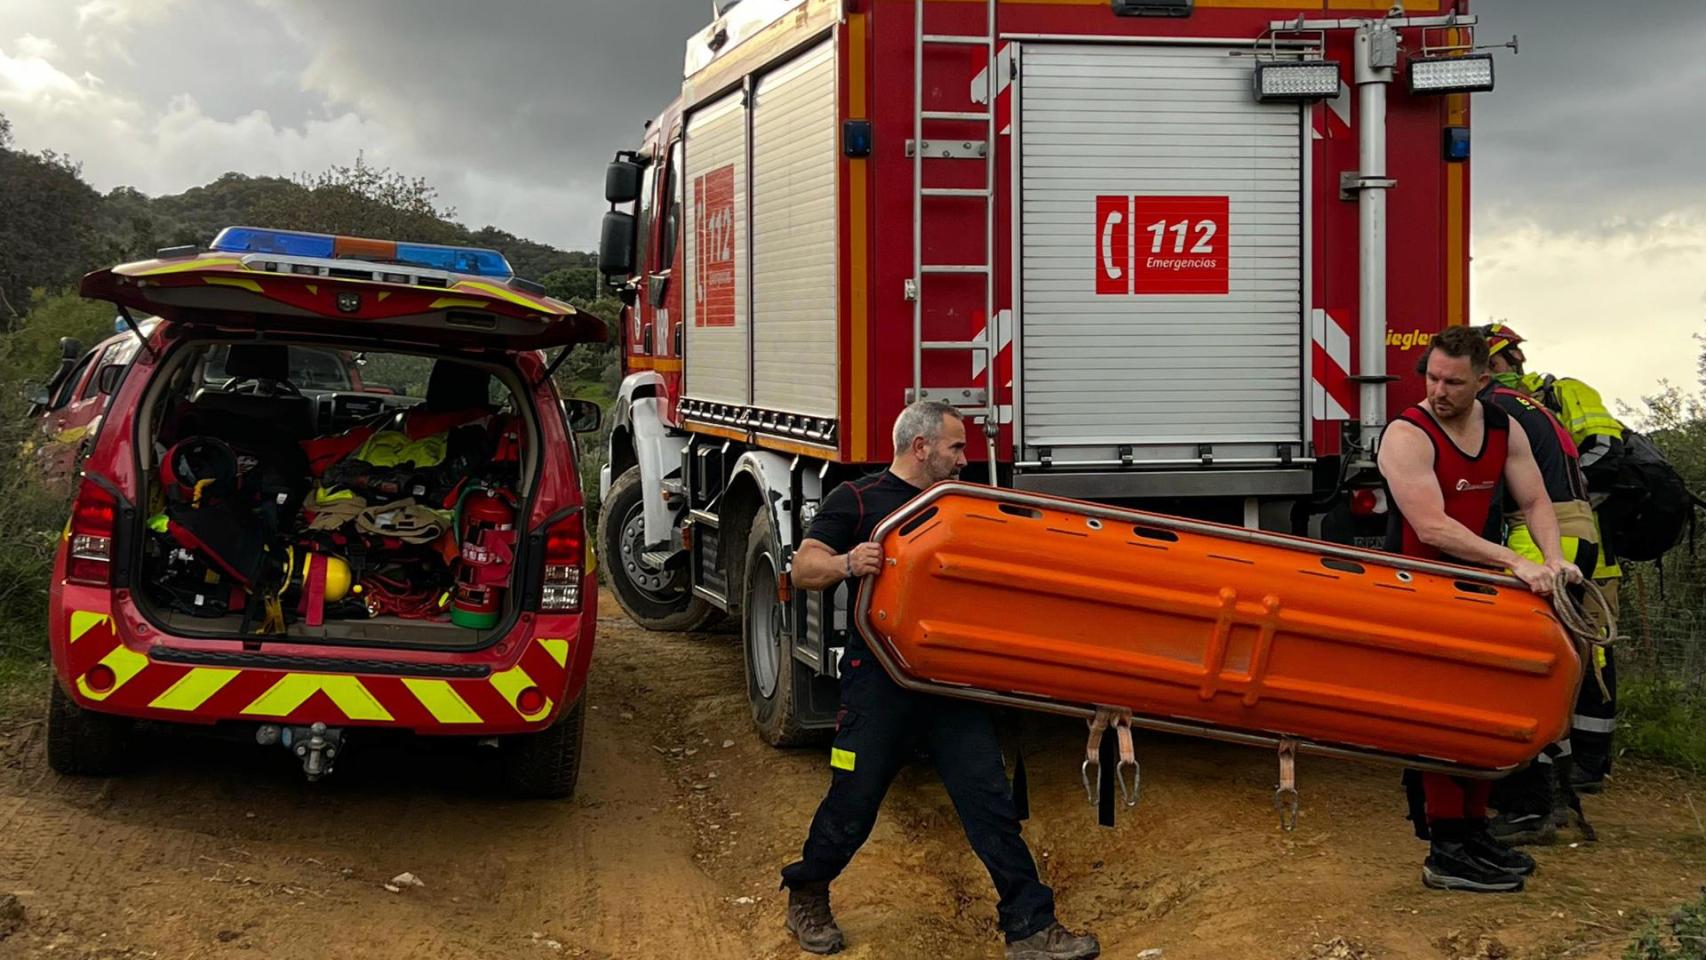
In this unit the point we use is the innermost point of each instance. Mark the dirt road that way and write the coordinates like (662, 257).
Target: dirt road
(220, 850)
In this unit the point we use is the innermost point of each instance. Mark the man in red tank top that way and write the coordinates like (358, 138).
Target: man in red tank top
(1446, 462)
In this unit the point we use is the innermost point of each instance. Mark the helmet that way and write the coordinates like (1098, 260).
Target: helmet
(1501, 337)
(197, 465)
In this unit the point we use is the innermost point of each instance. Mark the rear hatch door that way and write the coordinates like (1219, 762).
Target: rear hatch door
(390, 303)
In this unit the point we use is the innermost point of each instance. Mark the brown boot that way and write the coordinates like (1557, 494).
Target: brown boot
(1055, 942)
(809, 919)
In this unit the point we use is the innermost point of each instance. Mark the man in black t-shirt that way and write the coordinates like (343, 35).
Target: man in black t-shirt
(880, 722)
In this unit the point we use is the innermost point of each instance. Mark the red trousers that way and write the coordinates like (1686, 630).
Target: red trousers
(1455, 798)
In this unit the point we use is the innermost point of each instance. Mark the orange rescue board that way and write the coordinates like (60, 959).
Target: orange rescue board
(1064, 606)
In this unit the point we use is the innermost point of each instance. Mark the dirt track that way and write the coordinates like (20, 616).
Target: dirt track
(671, 848)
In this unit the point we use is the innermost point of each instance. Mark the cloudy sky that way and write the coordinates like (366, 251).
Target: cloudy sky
(1590, 186)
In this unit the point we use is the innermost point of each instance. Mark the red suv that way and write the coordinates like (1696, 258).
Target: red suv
(305, 562)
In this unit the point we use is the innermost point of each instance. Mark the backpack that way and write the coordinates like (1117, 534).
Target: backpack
(1649, 504)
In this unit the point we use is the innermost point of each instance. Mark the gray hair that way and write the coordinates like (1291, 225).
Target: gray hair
(921, 419)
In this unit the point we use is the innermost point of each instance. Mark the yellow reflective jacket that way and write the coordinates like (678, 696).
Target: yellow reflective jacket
(1578, 405)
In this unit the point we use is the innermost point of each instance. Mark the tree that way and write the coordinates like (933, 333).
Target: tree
(47, 214)
(364, 201)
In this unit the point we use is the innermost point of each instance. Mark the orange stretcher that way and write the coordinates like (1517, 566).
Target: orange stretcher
(1056, 605)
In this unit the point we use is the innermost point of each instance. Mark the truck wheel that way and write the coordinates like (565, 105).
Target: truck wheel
(546, 765)
(84, 743)
(653, 598)
(770, 665)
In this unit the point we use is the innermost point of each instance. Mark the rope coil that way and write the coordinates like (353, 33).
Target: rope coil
(1590, 633)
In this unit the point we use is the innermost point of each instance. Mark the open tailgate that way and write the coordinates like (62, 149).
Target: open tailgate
(251, 292)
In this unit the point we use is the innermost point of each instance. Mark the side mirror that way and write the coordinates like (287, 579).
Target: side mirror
(622, 182)
(616, 243)
(107, 380)
(584, 415)
(36, 395)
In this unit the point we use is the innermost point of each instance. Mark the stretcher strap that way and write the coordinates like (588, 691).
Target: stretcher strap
(1109, 749)
(1286, 797)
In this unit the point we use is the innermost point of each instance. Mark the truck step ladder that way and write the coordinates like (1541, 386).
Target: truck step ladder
(977, 403)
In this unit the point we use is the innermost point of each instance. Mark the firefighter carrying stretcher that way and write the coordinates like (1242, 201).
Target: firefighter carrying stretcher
(880, 723)
(1445, 462)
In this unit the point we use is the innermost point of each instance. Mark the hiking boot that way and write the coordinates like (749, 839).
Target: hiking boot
(1513, 829)
(1586, 779)
(1450, 866)
(810, 921)
(1481, 845)
(1055, 942)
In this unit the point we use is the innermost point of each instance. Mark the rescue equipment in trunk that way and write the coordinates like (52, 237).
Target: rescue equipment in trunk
(1067, 607)
(485, 528)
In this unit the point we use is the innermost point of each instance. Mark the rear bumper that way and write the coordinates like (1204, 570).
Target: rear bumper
(110, 660)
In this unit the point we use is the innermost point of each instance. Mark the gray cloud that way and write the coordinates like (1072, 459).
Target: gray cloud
(1599, 122)
(537, 93)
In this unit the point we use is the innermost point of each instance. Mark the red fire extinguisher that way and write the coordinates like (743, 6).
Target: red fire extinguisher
(485, 528)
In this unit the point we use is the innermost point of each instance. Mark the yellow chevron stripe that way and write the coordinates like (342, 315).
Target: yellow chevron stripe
(558, 649)
(82, 621)
(194, 688)
(493, 290)
(441, 700)
(189, 265)
(511, 682)
(443, 302)
(244, 282)
(293, 690)
(125, 664)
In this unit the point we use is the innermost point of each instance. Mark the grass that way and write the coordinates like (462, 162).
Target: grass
(1681, 936)
(23, 684)
(1663, 720)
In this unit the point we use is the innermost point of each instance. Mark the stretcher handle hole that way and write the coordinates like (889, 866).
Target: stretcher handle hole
(1093, 523)
(1155, 533)
(1029, 513)
(913, 524)
(1479, 588)
(1343, 566)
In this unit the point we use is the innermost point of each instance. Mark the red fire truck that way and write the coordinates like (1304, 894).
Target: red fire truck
(1180, 254)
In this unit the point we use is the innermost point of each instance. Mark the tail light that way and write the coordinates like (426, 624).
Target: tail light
(1368, 501)
(565, 558)
(91, 534)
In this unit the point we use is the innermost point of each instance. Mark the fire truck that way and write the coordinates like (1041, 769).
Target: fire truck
(1176, 254)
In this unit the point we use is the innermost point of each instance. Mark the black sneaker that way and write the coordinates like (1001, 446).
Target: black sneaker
(1055, 942)
(1450, 866)
(810, 921)
(1512, 829)
(1481, 845)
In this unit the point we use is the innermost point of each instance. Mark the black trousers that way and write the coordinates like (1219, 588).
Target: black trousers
(881, 725)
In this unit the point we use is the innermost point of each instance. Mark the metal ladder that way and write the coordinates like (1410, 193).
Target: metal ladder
(933, 198)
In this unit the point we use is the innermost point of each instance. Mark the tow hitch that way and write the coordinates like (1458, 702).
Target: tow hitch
(317, 745)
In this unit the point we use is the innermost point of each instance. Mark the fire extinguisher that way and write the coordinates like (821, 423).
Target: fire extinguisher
(485, 528)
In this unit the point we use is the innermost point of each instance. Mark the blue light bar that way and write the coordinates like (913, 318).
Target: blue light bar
(473, 261)
(287, 242)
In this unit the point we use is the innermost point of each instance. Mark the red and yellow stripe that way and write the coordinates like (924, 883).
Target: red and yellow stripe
(140, 686)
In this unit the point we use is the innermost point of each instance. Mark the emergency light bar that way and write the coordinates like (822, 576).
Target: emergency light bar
(473, 261)
(1297, 80)
(1465, 74)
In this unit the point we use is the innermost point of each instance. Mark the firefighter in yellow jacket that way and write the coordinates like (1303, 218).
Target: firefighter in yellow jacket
(1599, 439)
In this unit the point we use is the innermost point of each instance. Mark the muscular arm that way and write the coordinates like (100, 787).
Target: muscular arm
(1522, 478)
(816, 566)
(1407, 463)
